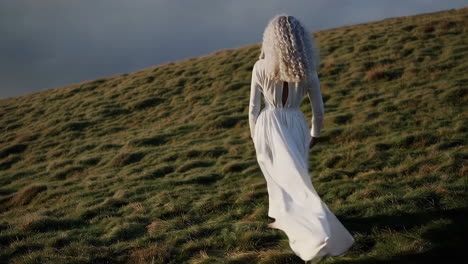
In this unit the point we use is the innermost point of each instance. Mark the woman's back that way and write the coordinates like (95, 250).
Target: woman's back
(272, 91)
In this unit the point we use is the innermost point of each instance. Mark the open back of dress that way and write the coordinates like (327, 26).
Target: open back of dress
(281, 138)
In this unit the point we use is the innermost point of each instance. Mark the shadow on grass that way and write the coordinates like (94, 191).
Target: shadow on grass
(448, 240)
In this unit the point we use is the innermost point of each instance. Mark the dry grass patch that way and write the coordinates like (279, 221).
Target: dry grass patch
(158, 253)
(27, 194)
(158, 225)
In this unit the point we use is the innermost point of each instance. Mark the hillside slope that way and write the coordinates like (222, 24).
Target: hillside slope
(157, 166)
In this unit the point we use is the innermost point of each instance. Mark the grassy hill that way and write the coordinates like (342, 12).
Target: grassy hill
(157, 166)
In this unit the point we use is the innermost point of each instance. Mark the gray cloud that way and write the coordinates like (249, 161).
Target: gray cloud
(52, 43)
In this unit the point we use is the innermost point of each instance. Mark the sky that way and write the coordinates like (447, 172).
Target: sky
(52, 43)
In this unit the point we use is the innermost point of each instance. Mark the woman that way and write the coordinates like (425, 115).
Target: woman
(284, 73)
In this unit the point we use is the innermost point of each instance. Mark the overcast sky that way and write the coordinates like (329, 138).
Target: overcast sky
(51, 43)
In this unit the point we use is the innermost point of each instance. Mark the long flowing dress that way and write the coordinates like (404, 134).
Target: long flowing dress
(281, 137)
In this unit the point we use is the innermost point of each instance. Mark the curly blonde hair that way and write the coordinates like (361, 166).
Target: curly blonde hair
(289, 50)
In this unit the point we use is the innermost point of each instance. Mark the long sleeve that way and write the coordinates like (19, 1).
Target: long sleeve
(318, 111)
(255, 97)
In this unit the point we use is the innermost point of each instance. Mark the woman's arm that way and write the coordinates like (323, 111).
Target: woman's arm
(318, 111)
(255, 96)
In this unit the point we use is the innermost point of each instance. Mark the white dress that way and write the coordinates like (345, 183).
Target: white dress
(281, 138)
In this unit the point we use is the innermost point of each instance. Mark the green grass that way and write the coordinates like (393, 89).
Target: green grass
(157, 166)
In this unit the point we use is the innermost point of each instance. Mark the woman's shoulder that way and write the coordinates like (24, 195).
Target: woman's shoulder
(259, 62)
(259, 65)
(258, 68)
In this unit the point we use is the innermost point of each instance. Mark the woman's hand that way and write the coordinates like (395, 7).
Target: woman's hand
(313, 141)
